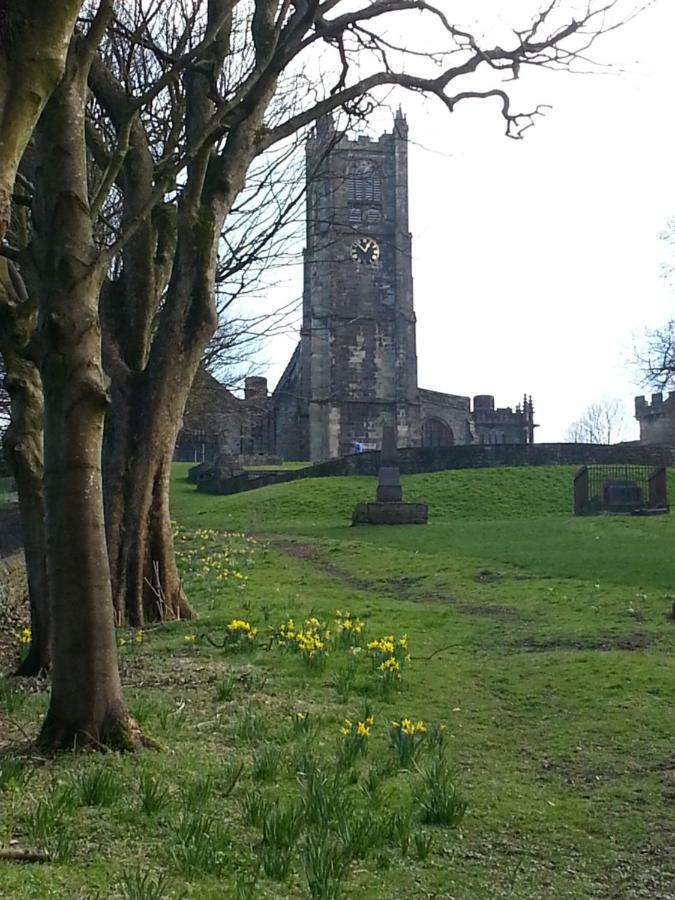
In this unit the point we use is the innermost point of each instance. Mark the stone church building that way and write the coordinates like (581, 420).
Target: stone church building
(355, 366)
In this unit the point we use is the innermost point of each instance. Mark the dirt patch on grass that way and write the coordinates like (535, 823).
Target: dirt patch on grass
(498, 610)
(403, 583)
(401, 587)
(341, 575)
(295, 549)
(628, 642)
(312, 553)
(485, 576)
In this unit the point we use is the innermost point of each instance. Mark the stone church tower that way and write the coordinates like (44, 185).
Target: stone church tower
(357, 358)
(355, 367)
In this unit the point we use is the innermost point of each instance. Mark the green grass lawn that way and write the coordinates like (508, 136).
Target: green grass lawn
(7, 490)
(539, 642)
(288, 466)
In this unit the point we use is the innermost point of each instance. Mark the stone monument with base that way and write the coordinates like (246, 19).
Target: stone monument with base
(389, 507)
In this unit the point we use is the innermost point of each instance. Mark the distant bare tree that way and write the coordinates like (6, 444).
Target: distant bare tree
(656, 358)
(600, 423)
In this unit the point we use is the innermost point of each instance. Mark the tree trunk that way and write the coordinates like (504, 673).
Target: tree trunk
(86, 705)
(139, 442)
(33, 44)
(23, 448)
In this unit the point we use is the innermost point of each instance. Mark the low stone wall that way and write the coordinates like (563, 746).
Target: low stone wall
(414, 460)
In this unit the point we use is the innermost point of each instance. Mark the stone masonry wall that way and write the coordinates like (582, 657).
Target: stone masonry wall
(657, 419)
(413, 460)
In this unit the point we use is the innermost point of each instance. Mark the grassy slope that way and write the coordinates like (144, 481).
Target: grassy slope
(566, 740)
(555, 679)
(516, 516)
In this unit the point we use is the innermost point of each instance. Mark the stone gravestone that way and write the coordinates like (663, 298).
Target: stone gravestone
(389, 507)
(389, 476)
(622, 495)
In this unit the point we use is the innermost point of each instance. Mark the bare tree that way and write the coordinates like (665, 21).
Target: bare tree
(236, 79)
(600, 423)
(655, 360)
(655, 357)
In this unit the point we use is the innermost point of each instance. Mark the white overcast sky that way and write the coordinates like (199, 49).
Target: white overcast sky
(536, 262)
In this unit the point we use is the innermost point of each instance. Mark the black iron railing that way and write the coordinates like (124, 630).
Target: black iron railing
(619, 489)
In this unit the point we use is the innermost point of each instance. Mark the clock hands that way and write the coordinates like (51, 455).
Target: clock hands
(365, 251)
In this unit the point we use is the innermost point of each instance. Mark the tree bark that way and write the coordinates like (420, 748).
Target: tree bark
(23, 448)
(33, 45)
(139, 441)
(141, 430)
(86, 704)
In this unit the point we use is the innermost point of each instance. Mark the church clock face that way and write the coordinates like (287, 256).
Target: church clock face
(365, 251)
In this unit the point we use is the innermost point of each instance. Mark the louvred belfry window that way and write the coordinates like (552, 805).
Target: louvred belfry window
(364, 188)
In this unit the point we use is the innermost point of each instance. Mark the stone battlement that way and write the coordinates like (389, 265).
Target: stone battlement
(658, 405)
(657, 419)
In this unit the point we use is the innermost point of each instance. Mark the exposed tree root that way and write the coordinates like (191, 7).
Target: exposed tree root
(119, 734)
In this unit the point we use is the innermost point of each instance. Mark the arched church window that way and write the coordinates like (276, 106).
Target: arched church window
(355, 216)
(373, 216)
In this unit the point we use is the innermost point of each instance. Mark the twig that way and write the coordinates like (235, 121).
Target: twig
(440, 650)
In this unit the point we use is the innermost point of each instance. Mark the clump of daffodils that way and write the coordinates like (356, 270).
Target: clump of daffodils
(348, 629)
(216, 555)
(24, 638)
(134, 637)
(355, 736)
(389, 655)
(311, 640)
(406, 738)
(239, 635)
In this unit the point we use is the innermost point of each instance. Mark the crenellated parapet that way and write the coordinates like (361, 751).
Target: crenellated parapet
(503, 425)
(657, 419)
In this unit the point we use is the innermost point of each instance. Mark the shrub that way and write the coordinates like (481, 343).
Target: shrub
(143, 885)
(200, 844)
(324, 866)
(97, 787)
(280, 831)
(266, 762)
(225, 689)
(438, 800)
(12, 774)
(152, 795)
